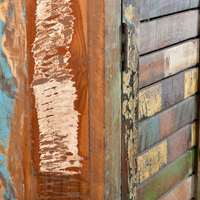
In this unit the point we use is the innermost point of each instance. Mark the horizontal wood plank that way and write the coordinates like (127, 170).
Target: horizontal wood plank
(152, 161)
(156, 66)
(167, 93)
(155, 8)
(180, 142)
(166, 31)
(165, 123)
(183, 191)
(168, 178)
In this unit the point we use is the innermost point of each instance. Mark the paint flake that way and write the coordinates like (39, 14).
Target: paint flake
(54, 88)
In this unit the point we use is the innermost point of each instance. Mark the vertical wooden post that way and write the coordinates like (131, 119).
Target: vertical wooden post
(130, 87)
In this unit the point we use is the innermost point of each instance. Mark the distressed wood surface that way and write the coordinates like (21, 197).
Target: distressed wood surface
(168, 178)
(15, 162)
(156, 8)
(130, 87)
(167, 93)
(169, 30)
(156, 66)
(181, 141)
(152, 161)
(113, 101)
(183, 191)
(165, 123)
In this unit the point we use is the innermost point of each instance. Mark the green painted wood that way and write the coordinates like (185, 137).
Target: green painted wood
(168, 178)
(156, 8)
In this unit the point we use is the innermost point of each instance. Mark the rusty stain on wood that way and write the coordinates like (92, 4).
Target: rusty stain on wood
(193, 131)
(152, 161)
(130, 87)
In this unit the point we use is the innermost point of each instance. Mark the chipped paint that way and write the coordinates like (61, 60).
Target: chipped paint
(152, 161)
(150, 101)
(191, 82)
(193, 134)
(54, 88)
(180, 57)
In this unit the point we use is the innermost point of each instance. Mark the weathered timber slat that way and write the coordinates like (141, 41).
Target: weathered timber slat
(165, 123)
(130, 94)
(167, 93)
(152, 161)
(183, 191)
(156, 66)
(166, 31)
(165, 152)
(168, 178)
(155, 8)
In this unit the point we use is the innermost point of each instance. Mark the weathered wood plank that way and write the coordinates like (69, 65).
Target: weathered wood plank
(167, 93)
(165, 123)
(168, 178)
(169, 30)
(156, 66)
(183, 191)
(152, 161)
(155, 8)
(130, 94)
(180, 142)
(113, 101)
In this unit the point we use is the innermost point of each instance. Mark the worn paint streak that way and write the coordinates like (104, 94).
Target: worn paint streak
(180, 57)
(150, 101)
(130, 94)
(152, 161)
(193, 134)
(54, 88)
(191, 82)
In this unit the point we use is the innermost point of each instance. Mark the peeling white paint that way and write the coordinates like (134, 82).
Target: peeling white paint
(54, 89)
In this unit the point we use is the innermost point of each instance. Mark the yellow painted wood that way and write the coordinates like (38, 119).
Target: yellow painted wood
(150, 101)
(191, 82)
(152, 161)
(193, 134)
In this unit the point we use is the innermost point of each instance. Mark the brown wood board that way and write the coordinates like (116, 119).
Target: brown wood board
(164, 63)
(160, 33)
(156, 8)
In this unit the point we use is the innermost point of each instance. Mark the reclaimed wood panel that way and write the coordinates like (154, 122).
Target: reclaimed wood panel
(130, 94)
(168, 178)
(183, 191)
(169, 30)
(156, 8)
(113, 101)
(151, 162)
(167, 122)
(15, 153)
(167, 93)
(156, 66)
(181, 141)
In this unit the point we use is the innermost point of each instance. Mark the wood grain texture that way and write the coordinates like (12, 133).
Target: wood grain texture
(183, 191)
(15, 162)
(96, 56)
(169, 30)
(151, 162)
(130, 88)
(180, 142)
(168, 178)
(112, 100)
(167, 122)
(167, 93)
(156, 8)
(156, 66)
